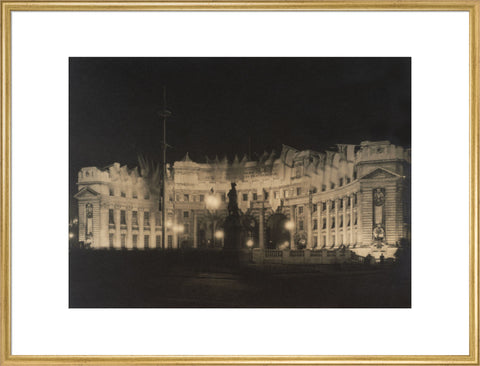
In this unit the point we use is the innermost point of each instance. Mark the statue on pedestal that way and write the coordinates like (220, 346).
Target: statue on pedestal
(233, 201)
(233, 226)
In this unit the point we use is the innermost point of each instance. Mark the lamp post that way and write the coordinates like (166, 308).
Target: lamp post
(250, 244)
(290, 226)
(219, 236)
(178, 229)
(212, 203)
(164, 113)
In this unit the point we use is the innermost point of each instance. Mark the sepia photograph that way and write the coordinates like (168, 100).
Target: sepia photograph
(240, 182)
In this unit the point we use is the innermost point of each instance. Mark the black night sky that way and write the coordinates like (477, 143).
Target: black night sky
(217, 104)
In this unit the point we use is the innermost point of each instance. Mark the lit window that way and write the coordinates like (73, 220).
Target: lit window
(146, 241)
(275, 194)
(134, 240)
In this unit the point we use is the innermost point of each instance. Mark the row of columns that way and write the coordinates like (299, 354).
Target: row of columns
(336, 214)
(329, 232)
(127, 229)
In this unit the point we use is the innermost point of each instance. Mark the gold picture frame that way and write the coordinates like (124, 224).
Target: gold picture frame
(472, 7)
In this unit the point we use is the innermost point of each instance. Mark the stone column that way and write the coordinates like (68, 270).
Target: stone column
(116, 238)
(175, 233)
(308, 217)
(152, 229)
(359, 219)
(129, 243)
(261, 239)
(344, 213)
(319, 224)
(103, 226)
(337, 223)
(292, 232)
(351, 219)
(327, 233)
(195, 234)
(140, 240)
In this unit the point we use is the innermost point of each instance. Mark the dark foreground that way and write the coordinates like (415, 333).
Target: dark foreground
(207, 279)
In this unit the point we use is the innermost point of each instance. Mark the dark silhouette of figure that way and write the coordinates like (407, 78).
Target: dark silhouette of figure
(232, 201)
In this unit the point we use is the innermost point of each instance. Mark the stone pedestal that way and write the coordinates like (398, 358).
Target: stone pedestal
(233, 233)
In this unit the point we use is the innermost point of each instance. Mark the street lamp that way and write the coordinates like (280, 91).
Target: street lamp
(219, 234)
(290, 226)
(250, 249)
(213, 203)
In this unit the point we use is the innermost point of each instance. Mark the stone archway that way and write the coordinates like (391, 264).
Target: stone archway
(277, 233)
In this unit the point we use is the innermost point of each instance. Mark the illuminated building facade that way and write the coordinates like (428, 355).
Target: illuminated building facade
(355, 197)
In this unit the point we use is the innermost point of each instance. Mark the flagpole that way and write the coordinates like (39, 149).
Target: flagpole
(164, 113)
